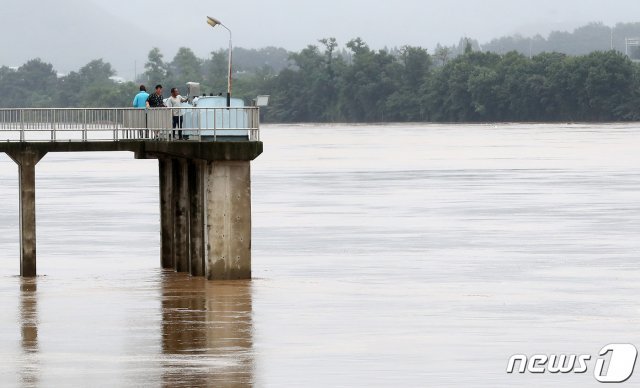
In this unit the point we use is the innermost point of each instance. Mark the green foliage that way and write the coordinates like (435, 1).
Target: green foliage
(474, 86)
(185, 67)
(216, 72)
(252, 60)
(156, 70)
(36, 85)
(89, 87)
(325, 84)
(367, 83)
(32, 84)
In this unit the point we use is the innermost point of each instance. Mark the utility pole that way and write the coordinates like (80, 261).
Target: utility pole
(611, 29)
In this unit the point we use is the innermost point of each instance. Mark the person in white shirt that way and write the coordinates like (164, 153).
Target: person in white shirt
(174, 102)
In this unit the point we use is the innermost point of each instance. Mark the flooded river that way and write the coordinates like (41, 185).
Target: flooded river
(391, 256)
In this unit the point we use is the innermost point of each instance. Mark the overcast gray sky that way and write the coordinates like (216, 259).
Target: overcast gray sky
(295, 23)
(81, 30)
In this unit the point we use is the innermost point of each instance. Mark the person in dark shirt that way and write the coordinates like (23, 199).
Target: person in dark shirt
(155, 100)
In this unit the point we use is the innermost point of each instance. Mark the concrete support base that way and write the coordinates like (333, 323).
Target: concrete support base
(197, 180)
(229, 220)
(181, 215)
(206, 217)
(26, 161)
(166, 212)
(205, 200)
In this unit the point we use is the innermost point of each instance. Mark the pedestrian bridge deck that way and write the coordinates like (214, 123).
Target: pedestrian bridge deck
(116, 124)
(204, 181)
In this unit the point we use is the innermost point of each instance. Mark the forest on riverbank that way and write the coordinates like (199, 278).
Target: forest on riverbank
(325, 83)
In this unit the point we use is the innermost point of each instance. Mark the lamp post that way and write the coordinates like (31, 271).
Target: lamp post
(214, 22)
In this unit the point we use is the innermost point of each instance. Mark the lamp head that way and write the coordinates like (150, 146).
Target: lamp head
(212, 21)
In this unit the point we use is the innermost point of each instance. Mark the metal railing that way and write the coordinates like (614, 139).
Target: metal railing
(116, 124)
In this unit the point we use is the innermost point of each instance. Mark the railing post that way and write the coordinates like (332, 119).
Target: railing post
(21, 125)
(84, 125)
(53, 125)
(115, 125)
(199, 123)
(206, 119)
(123, 127)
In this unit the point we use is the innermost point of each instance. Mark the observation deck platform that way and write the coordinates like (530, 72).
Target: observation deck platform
(203, 169)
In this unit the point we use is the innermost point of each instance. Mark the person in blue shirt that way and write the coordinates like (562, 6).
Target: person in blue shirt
(140, 100)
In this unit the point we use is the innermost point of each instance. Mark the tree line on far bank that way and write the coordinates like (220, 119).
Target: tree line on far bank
(473, 87)
(37, 84)
(358, 84)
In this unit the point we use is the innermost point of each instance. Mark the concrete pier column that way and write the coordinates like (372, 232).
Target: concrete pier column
(26, 161)
(181, 215)
(197, 178)
(228, 207)
(165, 166)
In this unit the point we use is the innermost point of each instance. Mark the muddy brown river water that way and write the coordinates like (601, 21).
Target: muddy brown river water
(391, 256)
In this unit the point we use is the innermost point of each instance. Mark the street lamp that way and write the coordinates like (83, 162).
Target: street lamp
(214, 22)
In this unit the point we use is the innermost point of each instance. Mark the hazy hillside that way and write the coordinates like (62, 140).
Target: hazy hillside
(581, 41)
(70, 33)
(48, 30)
